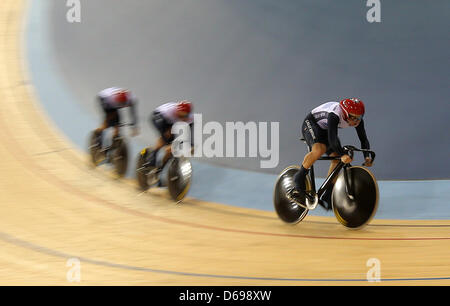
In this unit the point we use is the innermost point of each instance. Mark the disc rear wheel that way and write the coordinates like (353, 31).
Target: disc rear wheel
(146, 175)
(288, 211)
(95, 150)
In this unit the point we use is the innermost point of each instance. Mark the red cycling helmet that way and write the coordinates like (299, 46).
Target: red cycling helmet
(122, 96)
(353, 108)
(184, 106)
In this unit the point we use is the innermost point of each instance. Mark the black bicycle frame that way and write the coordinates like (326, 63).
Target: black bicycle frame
(329, 180)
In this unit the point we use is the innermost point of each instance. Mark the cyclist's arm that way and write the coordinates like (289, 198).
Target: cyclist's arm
(134, 119)
(363, 137)
(333, 140)
(191, 126)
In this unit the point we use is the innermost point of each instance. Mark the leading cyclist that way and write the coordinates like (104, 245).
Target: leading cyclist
(320, 130)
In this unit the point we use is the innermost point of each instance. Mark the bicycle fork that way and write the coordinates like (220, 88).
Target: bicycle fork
(348, 185)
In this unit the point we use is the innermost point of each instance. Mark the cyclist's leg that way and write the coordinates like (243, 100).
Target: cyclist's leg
(317, 139)
(168, 139)
(116, 132)
(113, 120)
(164, 128)
(102, 127)
(105, 123)
(317, 150)
(99, 132)
(160, 143)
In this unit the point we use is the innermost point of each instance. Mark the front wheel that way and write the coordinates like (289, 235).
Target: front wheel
(355, 211)
(179, 177)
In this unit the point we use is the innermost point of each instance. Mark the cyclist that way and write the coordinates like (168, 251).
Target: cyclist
(163, 118)
(111, 100)
(320, 130)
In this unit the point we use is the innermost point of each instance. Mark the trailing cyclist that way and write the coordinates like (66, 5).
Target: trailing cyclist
(162, 119)
(111, 100)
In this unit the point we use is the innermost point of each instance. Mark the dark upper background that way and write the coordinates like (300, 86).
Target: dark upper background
(267, 60)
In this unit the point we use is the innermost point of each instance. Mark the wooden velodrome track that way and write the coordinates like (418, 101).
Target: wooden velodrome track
(55, 207)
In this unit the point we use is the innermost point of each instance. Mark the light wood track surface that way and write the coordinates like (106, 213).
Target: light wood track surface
(55, 207)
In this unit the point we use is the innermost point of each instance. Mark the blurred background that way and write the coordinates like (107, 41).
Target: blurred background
(273, 61)
(261, 61)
